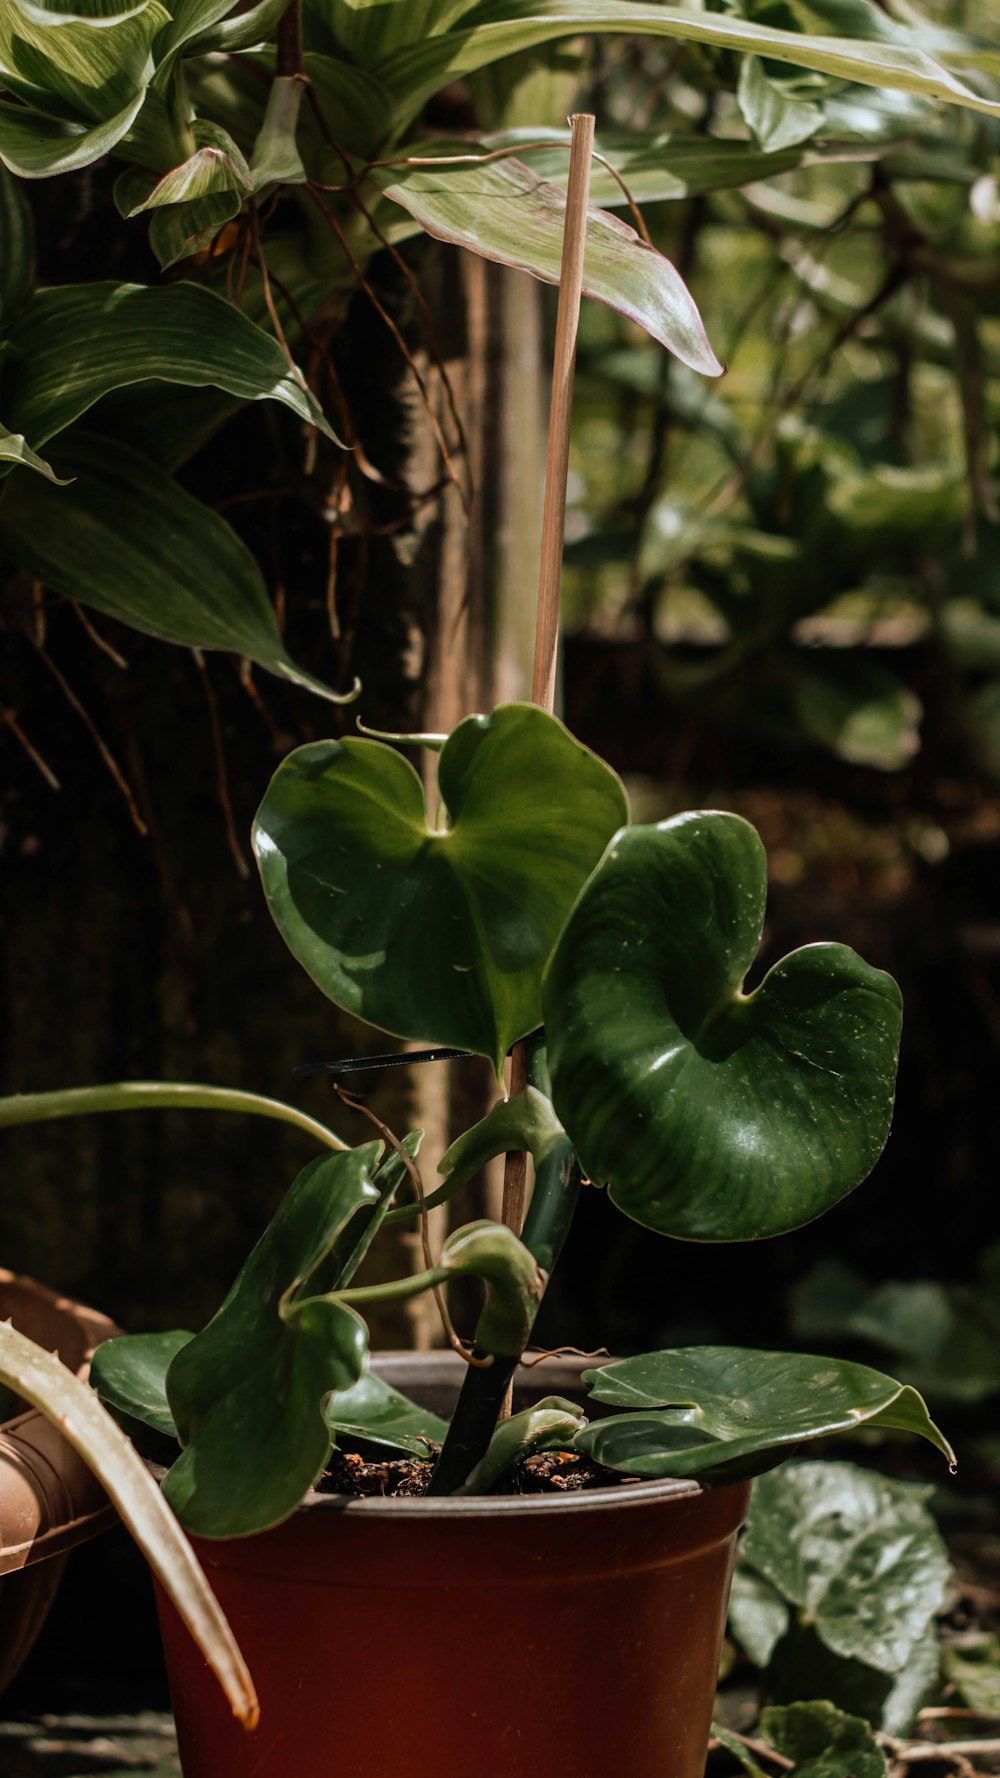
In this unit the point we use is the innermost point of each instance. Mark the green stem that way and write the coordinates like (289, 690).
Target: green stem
(157, 1095)
(397, 1289)
(550, 1214)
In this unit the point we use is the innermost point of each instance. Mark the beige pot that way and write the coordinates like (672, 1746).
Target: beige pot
(49, 1499)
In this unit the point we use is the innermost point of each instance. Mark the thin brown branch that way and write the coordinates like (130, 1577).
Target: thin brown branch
(10, 721)
(98, 640)
(103, 749)
(416, 1181)
(221, 772)
(760, 1750)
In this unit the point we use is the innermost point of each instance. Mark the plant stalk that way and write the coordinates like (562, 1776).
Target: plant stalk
(543, 685)
(550, 1213)
(157, 1095)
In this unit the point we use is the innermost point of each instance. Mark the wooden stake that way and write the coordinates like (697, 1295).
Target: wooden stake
(543, 688)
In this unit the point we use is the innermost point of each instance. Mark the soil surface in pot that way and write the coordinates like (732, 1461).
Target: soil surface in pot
(549, 1472)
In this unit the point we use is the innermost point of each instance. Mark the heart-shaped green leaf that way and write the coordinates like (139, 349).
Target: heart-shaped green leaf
(436, 933)
(822, 1741)
(130, 1375)
(247, 1393)
(713, 1115)
(705, 1409)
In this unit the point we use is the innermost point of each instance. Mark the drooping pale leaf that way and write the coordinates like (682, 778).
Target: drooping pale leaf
(436, 934)
(504, 211)
(712, 1114)
(37, 147)
(78, 342)
(130, 1375)
(551, 1425)
(527, 1121)
(217, 165)
(506, 27)
(17, 247)
(823, 1742)
(858, 1553)
(758, 1615)
(776, 118)
(702, 1408)
(247, 1393)
(14, 448)
(42, 1379)
(125, 538)
(655, 166)
(380, 1415)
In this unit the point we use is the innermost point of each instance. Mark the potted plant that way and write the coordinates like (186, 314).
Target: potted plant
(518, 912)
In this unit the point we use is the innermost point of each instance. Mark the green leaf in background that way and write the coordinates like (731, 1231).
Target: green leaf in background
(373, 1411)
(972, 1664)
(857, 1553)
(775, 117)
(17, 247)
(14, 448)
(432, 932)
(867, 717)
(551, 1425)
(359, 103)
(217, 165)
(505, 27)
(734, 1746)
(130, 1376)
(125, 538)
(247, 1393)
(178, 230)
(712, 1114)
(78, 342)
(504, 211)
(823, 1742)
(703, 1408)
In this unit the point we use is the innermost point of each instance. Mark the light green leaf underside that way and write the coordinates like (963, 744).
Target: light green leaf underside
(699, 1409)
(440, 936)
(125, 539)
(551, 1425)
(415, 73)
(130, 1375)
(14, 448)
(711, 1114)
(504, 211)
(371, 1410)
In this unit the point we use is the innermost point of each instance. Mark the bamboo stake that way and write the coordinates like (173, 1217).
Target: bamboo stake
(543, 687)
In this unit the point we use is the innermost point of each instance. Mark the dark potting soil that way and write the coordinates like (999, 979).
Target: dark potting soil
(550, 1472)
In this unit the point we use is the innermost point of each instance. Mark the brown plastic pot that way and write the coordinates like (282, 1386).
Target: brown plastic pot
(49, 1500)
(512, 1637)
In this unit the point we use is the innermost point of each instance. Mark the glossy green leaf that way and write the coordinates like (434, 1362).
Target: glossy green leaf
(373, 1411)
(822, 1741)
(17, 247)
(527, 1121)
(712, 1114)
(247, 1393)
(504, 211)
(14, 448)
(130, 1376)
(858, 1554)
(506, 27)
(350, 1248)
(78, 342)
(127, 540)
(434, 933)
(41, 1378)
(776, 118)
(703, 1408)
(37, 147)
(217, 165)
(551, 1425)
